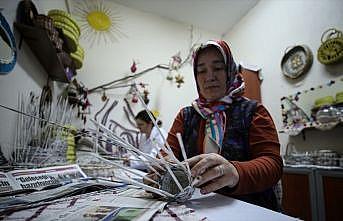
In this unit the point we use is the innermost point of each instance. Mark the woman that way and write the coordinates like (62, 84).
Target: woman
(150, 139)
(231, 141)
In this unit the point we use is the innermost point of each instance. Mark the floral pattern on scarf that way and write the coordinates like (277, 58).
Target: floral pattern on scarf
(214, 112)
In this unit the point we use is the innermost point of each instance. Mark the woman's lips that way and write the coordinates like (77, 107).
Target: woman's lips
(211, 86)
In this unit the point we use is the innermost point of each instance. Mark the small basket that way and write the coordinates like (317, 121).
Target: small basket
(64, 17)
(26, 11)
(45, 22)
(65, 59)
(331, 49)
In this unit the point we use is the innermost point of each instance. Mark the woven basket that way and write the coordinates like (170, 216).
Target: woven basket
(26, 12)
(45, 22)
(65, 59)
(296, 61)
(78, 61)
(62, 16)
(331, 49)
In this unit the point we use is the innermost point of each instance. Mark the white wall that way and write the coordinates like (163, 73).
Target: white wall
(27, 75)
(150, 40)
(261, 38)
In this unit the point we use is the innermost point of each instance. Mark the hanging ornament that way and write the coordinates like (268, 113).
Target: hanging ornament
(104, 97)
(131, 90)
(176, 61)
(156, 113)
(134, 98)
(142, 85)
(179, 80)
(85, 104)
(170, 76)
(133, 67)
(145, 97)
(146, 92)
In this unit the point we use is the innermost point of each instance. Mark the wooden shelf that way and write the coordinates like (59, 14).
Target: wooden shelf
(40, 44)
(292, 131)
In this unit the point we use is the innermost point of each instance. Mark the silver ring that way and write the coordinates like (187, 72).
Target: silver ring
(221, 170)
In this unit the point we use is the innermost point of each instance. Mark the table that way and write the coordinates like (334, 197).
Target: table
(217, 207)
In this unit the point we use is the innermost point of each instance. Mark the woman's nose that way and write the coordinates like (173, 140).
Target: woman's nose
(210, 76)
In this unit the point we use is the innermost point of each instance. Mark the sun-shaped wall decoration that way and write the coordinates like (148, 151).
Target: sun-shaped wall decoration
(98, 21)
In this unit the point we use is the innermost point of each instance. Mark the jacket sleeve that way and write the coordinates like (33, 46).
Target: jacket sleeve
(264, 169)
(177, 127)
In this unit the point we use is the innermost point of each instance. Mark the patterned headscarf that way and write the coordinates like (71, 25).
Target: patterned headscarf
(214, 111)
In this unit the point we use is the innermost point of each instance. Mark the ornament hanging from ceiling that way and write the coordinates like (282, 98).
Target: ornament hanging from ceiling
(174, 65)
(179, 80)
(104, 97)
(133, 67)
(176, 60)
(145, 97)
(98, 21)
(133, 96)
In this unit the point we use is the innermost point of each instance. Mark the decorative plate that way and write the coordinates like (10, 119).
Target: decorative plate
(296, 61)
(331, 49)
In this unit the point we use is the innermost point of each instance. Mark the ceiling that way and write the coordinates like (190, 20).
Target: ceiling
(217, 16)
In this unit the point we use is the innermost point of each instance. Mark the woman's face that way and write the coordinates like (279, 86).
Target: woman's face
(143, 126)
(211, 74)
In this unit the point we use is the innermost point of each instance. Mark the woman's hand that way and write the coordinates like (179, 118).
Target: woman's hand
(212, 172)
(152, 175)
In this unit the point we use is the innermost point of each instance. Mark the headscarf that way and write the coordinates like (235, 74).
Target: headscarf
(214, 112)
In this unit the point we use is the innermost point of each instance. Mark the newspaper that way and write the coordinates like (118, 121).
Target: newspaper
(85, 198)
(174, 212)
(5, 184)
(38, 179)
(103, 205)
(23, 201)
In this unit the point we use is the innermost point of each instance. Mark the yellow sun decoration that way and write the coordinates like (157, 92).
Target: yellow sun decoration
(97, 21)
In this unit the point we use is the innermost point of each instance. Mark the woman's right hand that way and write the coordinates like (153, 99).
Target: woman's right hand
(155, 176)
(212, 172)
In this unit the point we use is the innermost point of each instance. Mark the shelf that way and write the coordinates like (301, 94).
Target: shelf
(313, 167)
(293, 131)
(40, 44)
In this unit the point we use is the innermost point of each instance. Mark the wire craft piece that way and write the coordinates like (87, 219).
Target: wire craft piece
(130, 135)
(174, 182)
(40, 140)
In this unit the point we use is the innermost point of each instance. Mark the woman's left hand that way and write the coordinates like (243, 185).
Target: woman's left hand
(212, 172)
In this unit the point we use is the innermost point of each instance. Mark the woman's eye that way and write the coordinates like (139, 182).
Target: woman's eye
(218, 68)
(201, 71)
